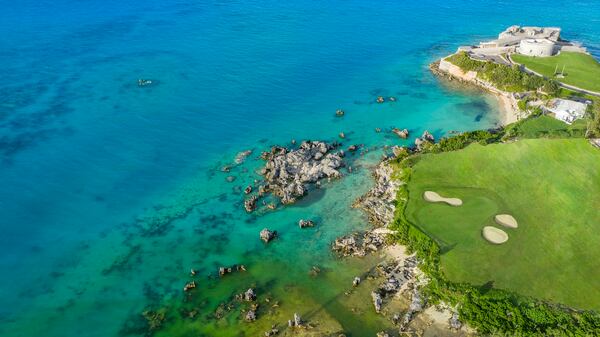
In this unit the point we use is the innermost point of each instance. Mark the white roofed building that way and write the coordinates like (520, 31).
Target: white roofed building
(566, 110)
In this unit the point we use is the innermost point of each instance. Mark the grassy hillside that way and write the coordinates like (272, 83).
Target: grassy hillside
(581, 70)
(551, 186)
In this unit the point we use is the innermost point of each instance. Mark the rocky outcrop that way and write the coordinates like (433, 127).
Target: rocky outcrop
(250, 203)
(377, 301)
(249, 295)
(267, 235)
(228, 270)
(425, 138)
(454, 322)
(289, 173)
(250, 316)
(296, 322)
(305, 223)
(400, 133)
(358, 245)
(189, 286)
(380, 202)
(416, 305)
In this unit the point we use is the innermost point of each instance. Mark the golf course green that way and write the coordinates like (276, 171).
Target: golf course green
(581, 70)
(550, 186)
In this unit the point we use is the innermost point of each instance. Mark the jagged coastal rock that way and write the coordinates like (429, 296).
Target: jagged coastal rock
(250, 203)
(267, 235)
(249, 295)
(358, 245)
(377, 301)
(380, 202)
(250, 316)
(305, 223)
(425, 138)
(296, 322)
(288, 173)
(400, 133)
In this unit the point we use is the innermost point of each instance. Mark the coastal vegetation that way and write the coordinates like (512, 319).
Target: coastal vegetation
(593, 124)
(549, 186)
(503, 77)
(581, 70)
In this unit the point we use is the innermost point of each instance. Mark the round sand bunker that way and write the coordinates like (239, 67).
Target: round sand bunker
(434, 197)
(494, 235)
(506, 220)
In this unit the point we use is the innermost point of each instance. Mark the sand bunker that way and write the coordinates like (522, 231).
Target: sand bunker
(434, 197)
(506, 220)
(494, 235)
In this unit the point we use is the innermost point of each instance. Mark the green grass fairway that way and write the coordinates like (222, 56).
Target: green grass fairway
(552, 188)
(581, 70)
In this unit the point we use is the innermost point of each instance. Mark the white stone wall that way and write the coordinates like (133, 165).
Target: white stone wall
(535, 47)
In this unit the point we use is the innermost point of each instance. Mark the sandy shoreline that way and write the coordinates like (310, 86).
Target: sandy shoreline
(507, 104)
(509, 113)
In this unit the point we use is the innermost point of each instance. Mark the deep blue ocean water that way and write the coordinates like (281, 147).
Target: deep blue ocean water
(85, 153)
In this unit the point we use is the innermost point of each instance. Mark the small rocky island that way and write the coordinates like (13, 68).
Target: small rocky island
(290, 173)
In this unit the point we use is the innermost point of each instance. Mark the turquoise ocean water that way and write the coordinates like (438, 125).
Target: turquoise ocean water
(89, 160)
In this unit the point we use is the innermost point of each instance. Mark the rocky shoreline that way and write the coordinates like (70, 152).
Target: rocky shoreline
(401, 278)
(379, 203)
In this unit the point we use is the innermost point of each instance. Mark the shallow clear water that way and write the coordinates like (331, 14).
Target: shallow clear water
(85, 153)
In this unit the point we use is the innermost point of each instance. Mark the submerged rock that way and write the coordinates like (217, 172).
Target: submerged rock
(241, 157)
(144, 82)
(274, 331)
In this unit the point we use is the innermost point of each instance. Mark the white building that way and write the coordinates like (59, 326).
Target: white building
(537, 47)
(513, 35)
(566, 110)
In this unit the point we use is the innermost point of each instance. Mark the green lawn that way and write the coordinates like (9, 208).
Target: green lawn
(581, 70)
(547, 127)
(552, 188)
